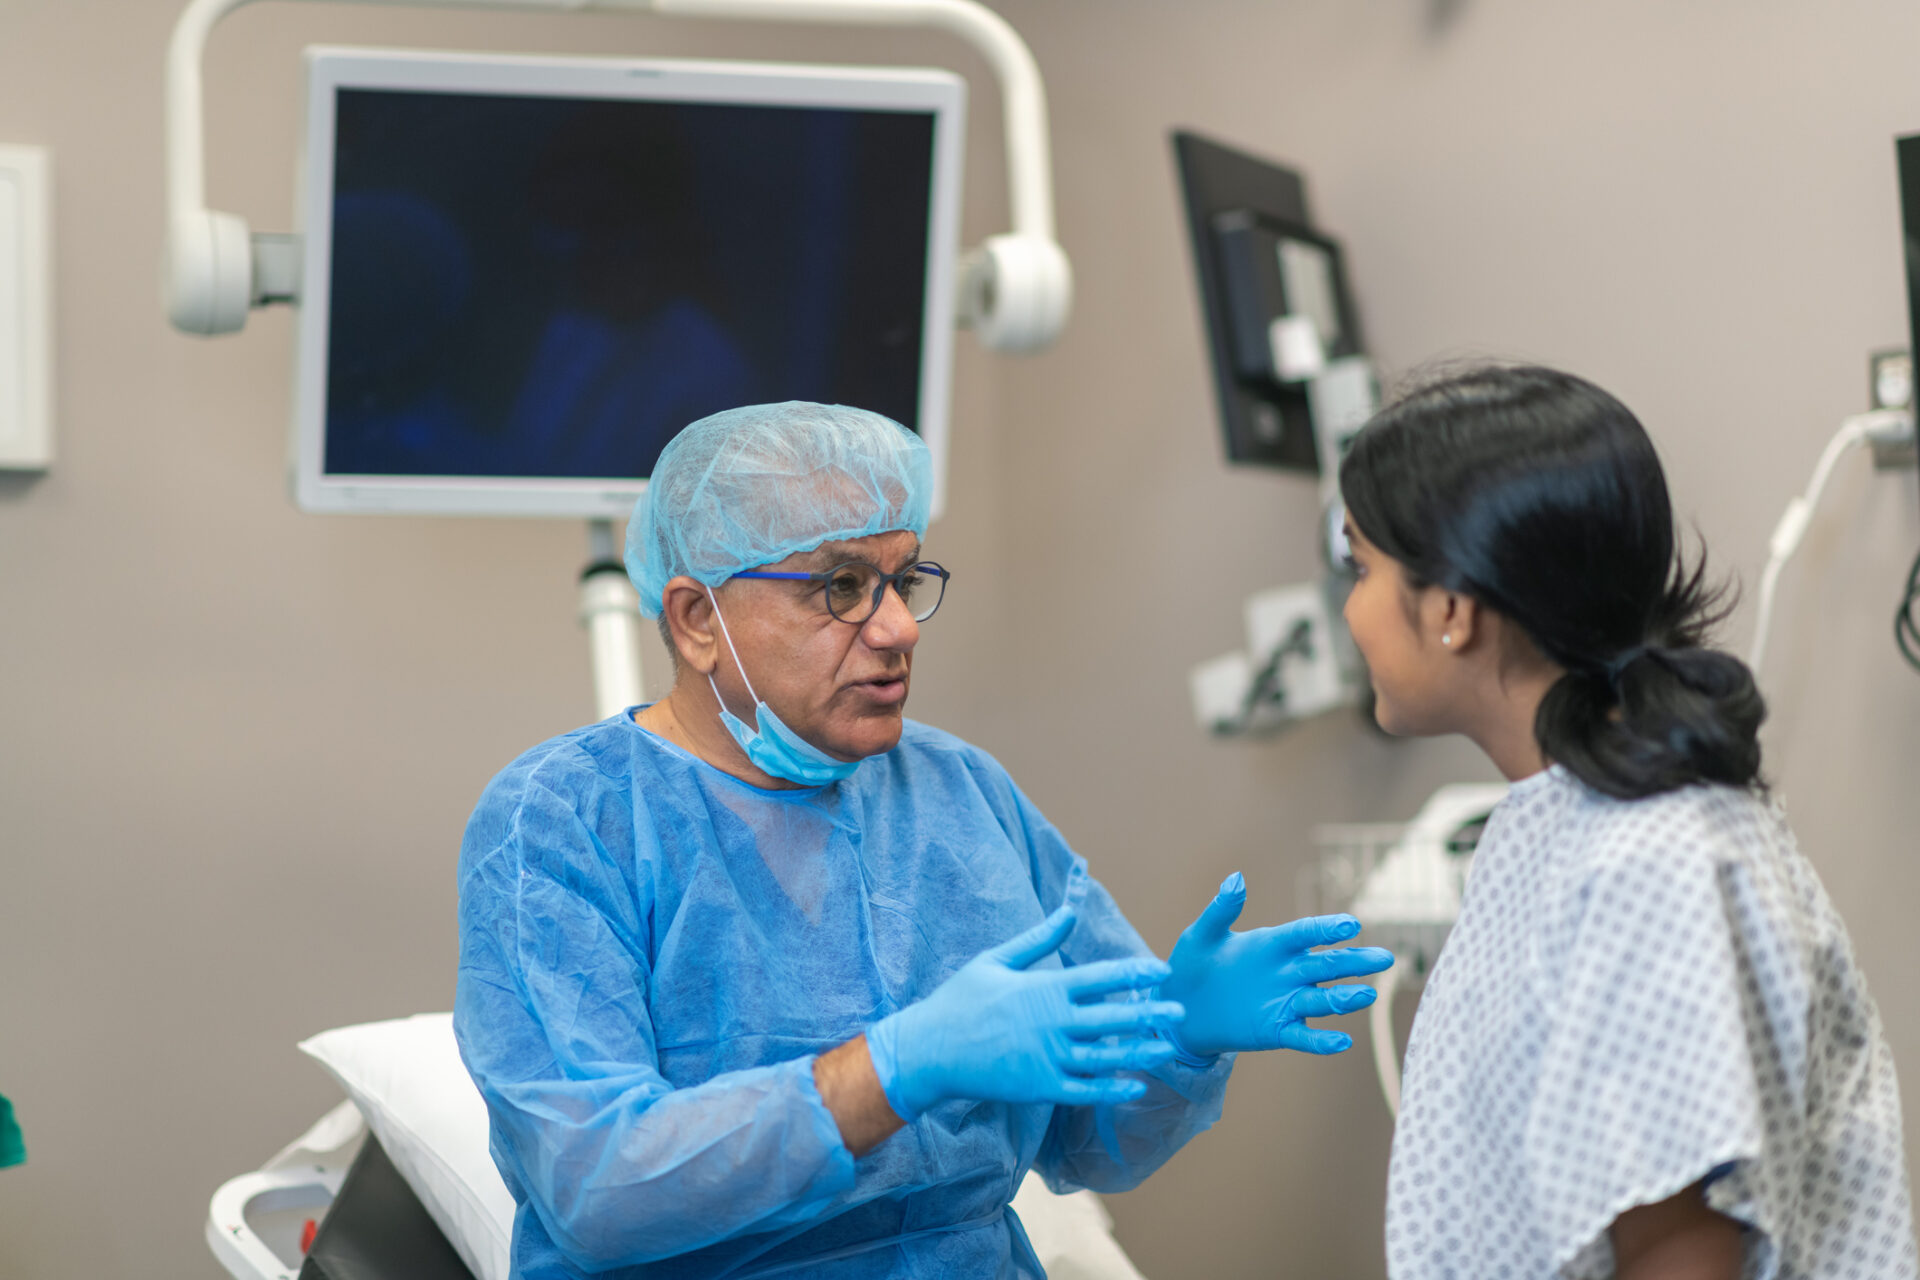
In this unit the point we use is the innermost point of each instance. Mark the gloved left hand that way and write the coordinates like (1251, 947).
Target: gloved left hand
(1001, 1030)
(1254, 990)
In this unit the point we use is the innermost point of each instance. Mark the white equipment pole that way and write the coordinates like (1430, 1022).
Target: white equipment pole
(610, 611)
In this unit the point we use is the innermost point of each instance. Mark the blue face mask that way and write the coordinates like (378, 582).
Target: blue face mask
(773, 748)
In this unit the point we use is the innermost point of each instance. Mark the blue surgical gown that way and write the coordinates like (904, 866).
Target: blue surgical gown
(652, 953)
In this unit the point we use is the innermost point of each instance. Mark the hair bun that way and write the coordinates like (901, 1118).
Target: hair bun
(1617, 666)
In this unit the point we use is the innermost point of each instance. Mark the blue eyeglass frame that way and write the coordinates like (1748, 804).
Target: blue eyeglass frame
(923, 568)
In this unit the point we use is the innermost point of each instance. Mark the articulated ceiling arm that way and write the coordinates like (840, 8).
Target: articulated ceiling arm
(1016, 288)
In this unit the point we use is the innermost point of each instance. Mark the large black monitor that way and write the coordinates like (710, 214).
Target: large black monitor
(1908, 149)
(524, 275)
(1259, 262)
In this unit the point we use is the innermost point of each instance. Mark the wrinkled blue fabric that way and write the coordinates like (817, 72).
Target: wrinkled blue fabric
(752, 486)
(652, 953)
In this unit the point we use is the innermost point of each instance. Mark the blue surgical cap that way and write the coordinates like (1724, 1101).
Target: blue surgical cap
(752, 486)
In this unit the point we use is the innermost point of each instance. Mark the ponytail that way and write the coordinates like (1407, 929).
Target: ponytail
(1660, 715)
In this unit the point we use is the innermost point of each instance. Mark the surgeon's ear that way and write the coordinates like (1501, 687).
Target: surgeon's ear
(689, 614)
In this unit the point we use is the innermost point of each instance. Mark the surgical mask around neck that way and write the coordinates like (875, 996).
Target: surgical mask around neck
(774, 749)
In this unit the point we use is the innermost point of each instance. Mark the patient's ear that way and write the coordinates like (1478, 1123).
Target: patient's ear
(1450, 620)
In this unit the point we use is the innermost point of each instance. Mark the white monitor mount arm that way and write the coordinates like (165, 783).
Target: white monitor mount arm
(1016, 289)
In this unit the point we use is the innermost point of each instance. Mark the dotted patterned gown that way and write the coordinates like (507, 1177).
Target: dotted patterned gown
(1640, 995)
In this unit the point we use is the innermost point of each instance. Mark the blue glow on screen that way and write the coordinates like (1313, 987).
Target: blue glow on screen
(552, 287)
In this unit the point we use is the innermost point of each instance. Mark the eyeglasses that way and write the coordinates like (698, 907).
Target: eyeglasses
(853, 589)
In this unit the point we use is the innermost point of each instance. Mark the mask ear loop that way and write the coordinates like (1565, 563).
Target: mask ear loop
(736, 659)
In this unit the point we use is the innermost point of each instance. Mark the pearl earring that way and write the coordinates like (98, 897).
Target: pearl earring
(1446, 639)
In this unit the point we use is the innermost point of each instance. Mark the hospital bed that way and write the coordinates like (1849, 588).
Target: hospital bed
(339, 1203)
(325, 1222)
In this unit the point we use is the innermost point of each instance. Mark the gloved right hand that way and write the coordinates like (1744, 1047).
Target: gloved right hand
(999, 1032)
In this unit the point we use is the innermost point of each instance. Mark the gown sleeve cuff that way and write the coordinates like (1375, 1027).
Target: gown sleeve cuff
(837, 1172)
(1198, 1062)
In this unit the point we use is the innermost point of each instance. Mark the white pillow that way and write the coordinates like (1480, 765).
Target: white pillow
(1072, 1235)
(408, 1081)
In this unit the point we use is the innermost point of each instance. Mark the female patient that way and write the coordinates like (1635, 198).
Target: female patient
(1691, 1080)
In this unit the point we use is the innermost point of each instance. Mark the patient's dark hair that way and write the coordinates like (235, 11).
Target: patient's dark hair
(1539, 495)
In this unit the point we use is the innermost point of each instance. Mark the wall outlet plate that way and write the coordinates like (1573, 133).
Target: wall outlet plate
(1299, 662)
(1223, 700)
(26, 309)
(1890, 379)
(1294, 623)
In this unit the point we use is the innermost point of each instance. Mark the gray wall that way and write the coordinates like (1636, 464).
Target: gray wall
(237, 743)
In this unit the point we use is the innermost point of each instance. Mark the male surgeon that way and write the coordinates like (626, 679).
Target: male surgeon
(765, 979)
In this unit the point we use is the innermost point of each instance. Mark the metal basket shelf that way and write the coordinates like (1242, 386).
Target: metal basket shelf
(1410, 913)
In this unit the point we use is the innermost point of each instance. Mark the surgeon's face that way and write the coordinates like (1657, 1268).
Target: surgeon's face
(841, 687)
(1385, 615)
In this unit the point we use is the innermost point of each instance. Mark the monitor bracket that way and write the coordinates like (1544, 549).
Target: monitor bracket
(1015, 289)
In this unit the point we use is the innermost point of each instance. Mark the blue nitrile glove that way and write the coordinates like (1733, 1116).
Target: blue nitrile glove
(1254, 990)
(999, 1032)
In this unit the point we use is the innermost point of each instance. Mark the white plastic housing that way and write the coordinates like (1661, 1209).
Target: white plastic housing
(241, 1202)
(1419, 881)
(209, 281)
(1016, 293)
(26, 309)
(1342, 398)
(1297, 352)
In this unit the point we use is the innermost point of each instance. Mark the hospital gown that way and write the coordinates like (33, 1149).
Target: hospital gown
(652, 953)
(1689, 1009)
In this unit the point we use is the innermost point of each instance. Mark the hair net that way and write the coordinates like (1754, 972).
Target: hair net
(752, 486)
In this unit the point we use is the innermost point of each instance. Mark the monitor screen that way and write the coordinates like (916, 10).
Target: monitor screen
(531, 286)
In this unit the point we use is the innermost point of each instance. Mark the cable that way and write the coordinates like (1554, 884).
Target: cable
(1906, 625)
(1883, 425)
(1792, 528)
(1386, 1055)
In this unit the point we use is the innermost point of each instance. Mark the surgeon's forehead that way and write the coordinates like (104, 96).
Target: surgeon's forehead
(870, 549)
